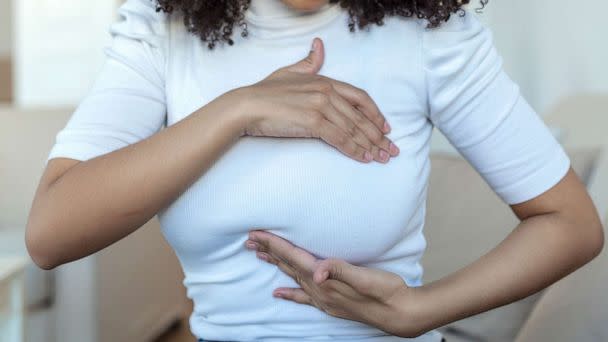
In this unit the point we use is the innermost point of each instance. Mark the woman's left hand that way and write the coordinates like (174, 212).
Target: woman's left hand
(371, 296)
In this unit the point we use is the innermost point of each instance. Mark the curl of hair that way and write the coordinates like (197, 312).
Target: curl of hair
(213, 20)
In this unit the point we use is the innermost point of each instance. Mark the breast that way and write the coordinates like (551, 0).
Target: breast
(304, 190)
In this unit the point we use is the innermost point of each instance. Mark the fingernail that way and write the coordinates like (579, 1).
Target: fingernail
(383, 155)
(394, 149)
(314, 45)
(387, 128)
(278, 294)
(367, 156)
(262, 256)
(250, 244)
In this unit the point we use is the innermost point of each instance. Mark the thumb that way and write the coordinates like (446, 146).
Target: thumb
(313, 62)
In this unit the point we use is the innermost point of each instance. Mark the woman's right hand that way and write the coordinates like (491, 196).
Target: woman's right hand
(294, 101)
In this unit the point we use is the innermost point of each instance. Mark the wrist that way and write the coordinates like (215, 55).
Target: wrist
(239, 102)
(409, 317)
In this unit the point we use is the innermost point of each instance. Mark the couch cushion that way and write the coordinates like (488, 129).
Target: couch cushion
(26, 137)
(466, 219)
(576, 307)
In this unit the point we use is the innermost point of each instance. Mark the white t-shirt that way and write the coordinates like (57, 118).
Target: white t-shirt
(303, 189)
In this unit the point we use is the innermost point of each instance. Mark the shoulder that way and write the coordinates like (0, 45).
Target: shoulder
(140, 19)
(462, 33)
(460, 28)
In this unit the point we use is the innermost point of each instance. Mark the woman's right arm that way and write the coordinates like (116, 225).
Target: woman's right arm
(82, 207)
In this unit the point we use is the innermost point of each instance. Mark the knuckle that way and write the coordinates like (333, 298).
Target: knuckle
(362, 94)
(330, 288)
(365, 288)
(362, 140)
(262, 248)
(319, 99)
(359, 120)
(330, 309)
(342, 140)
(277, 73)
(316, 119)
(324, 86)
(352, 129)
(377, 137)
(361, 152)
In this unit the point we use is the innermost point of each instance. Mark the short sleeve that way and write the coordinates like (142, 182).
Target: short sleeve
(480, 110)
(126, 103)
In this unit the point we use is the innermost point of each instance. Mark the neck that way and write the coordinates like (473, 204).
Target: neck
(278, 8)
(271, 19)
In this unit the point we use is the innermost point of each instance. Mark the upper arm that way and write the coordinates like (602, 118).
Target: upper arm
(127, 100)
(481, 111)
(568, 198)
(126, 103)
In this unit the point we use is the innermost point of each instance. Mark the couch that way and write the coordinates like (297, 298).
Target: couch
(458, 232)
(131, 291)
(97, 298)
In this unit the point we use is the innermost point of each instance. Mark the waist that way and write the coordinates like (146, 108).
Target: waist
(430, 336)
(236, 303)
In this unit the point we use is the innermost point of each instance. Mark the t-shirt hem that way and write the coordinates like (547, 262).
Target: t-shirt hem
(539, 182)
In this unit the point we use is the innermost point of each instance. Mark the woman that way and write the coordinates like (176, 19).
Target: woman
(259, 135)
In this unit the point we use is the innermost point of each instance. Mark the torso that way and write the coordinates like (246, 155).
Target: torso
(299, 188)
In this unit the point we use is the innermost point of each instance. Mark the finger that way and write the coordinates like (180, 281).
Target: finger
(280, 248)
(343, 121)
(287, 269)
(341, 270)
(334, 136)
(320, 276)
(365, 127)
(294, 294)
(263, 255)
(361, 98)
(313, 62)
(267, 257)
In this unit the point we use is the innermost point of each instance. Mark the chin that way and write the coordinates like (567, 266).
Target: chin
(305, 5)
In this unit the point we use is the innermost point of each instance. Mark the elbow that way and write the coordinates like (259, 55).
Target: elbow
(595, 238)
(38, 248)
(598, 242)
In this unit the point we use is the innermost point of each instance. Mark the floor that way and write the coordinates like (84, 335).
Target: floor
(180, 332)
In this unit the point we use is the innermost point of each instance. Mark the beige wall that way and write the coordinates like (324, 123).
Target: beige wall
(5, 28)
(6, 86)
(26, 138)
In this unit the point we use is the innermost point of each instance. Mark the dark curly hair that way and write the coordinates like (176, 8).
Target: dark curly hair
(213, 20)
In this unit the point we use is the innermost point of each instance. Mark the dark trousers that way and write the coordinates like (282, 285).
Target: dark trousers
(201, 340)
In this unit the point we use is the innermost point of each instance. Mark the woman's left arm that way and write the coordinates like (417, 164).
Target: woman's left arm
(480, 110)
(559, 232)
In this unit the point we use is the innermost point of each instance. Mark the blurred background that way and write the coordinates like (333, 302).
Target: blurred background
(50, 53)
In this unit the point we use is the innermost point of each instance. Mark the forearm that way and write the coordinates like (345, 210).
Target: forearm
(541, 250)
(99, 201)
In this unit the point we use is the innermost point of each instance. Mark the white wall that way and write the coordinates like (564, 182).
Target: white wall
(551, 48)
(58, 49)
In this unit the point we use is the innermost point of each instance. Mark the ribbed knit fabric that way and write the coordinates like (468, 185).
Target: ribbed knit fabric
(304, 189)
